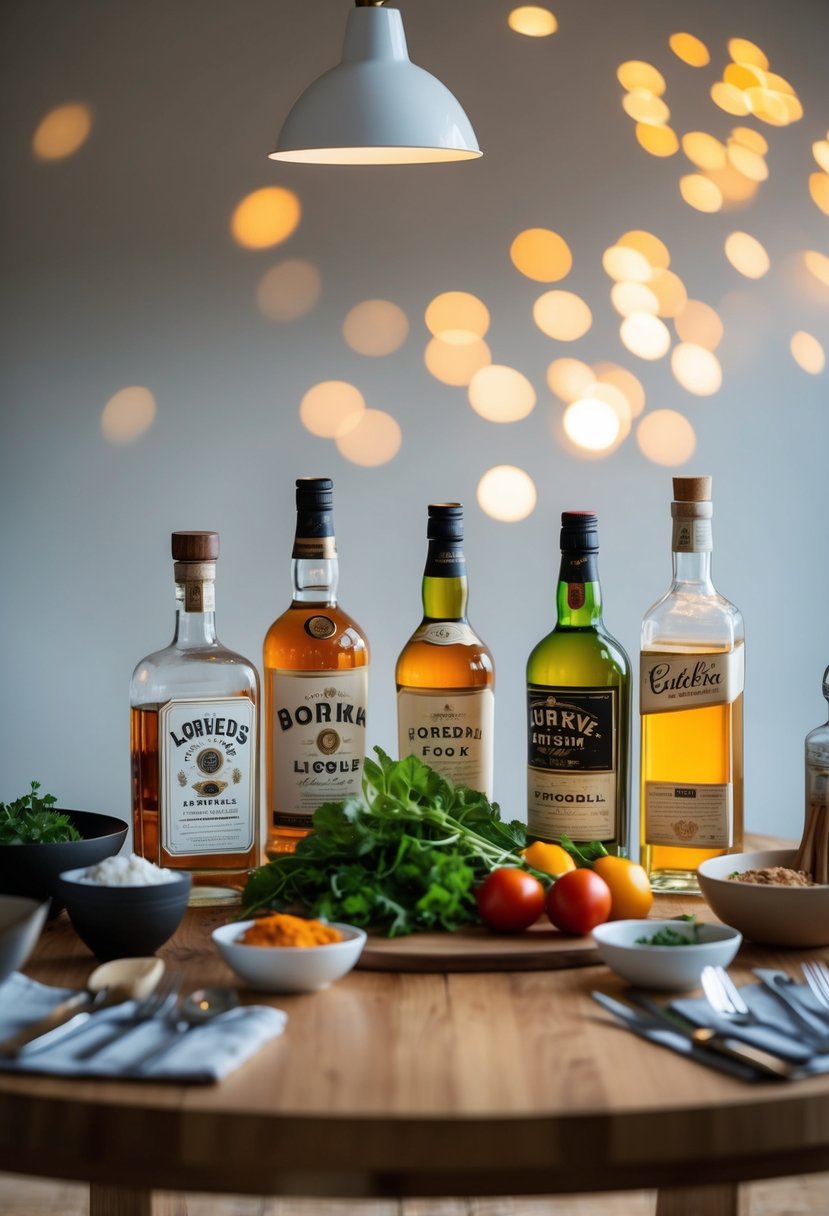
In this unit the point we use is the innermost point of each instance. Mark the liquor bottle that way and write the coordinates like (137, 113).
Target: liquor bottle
(445, 674)
(194, 741)
(315, 661)
(691, 676)
(578, 705)
(813, 854)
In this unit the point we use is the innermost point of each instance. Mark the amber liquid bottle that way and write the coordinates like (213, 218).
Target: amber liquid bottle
(315, 660)
(578, 708)
(445, 674)
(691, 676)
(194, 741)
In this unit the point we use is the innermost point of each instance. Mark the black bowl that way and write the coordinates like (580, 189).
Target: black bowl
(124, 922)
(32, 869)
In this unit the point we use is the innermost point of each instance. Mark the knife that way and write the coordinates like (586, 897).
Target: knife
(785, 988)
(707, 1046)
(64, 1018)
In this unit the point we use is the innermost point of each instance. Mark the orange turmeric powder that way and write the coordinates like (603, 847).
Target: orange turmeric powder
(280, 929)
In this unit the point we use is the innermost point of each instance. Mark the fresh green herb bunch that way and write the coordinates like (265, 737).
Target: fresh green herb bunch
(667, 936)
(31, 820)
(405, 857)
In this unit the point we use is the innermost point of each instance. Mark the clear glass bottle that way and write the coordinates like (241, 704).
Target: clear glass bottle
(813, 854)
(578, 708)
(194, 741)
(691, 677)
(445, 675)
(316, 661)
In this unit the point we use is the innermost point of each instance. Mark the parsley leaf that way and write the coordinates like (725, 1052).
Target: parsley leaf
(31, 820)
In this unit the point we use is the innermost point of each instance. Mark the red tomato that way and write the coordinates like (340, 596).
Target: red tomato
(510, 900)
(578, 901)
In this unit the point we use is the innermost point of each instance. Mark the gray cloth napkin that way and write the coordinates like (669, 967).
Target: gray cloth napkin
(201, 1054)
(782, 1035)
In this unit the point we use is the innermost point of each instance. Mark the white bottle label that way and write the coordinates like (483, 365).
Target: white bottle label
(670, 681)
(451, 730)
(207, 787)
(689, 816)
(446, 633)
(318, 740)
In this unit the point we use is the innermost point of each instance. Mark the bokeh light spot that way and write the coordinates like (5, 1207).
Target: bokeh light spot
(819, 190)
(562, 315)
(457, 316)
(700, 193)
(690, 50)
(653, 250)
(507, 493)
(743, 51)
(645, 107)
(329, 406)
(730, 99)
(750, 139)
(626, 264)
(645, 336)
(820, 150)
(657, 140)
(568, 378)
(532, 20)
(636, 74)
(818, 265)
(374, 439)
(541, 254)
(699, 323)
(501, 394)
(633, 297)
(265, 217)
(628, 384)
(704, 150)
(289, 290)
(808, 353)
(748, 162)
(128, 414)
(591, 423)
(455, 363)
(62, 131)
(746, 255)
(696, 369)
(670, 292)
(375, 328)
(666, 438)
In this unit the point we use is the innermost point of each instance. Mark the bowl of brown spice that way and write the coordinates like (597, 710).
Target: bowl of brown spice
(768, 897)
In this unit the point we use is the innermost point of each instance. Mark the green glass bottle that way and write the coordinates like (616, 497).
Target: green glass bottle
(578, 708)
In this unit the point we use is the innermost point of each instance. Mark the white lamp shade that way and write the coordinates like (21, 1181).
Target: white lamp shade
(376, 106)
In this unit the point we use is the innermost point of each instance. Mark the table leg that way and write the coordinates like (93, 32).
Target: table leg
(697, 1200)
(126, 1201)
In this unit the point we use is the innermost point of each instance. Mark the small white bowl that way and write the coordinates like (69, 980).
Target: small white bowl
(289, 968)
(670, 968)
(774, 916)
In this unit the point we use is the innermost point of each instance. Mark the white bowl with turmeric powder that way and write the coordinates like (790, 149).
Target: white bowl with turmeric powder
(283, 953)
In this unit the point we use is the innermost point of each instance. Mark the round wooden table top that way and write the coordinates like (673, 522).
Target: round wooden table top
(408, 1083)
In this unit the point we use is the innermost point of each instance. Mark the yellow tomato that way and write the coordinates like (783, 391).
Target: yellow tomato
(630, 888)
(548, 858)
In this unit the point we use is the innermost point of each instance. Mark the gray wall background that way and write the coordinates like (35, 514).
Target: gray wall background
(118, 269)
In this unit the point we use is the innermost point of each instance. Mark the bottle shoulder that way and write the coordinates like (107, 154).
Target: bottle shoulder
(315, 636)
(686, 616)
(574, 656)
(204, 671)
(444, 655)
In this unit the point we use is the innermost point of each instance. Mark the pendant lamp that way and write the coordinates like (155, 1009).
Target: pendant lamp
(376, 106)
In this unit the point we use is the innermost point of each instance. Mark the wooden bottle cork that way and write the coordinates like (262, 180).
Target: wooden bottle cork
(692, 489)
(195, 546)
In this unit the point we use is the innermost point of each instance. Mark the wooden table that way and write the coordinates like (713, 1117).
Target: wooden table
(407, 1084)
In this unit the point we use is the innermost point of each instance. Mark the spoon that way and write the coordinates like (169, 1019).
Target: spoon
(121, 979)
(196, 1009)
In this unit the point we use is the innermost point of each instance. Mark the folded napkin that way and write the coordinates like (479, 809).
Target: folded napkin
(200, 1054)
(781, 1034)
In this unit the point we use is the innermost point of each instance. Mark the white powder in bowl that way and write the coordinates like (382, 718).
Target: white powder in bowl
(132, 871)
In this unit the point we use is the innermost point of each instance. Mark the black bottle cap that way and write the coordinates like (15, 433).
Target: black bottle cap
(445, 521)
(579, 532)
(314, 493)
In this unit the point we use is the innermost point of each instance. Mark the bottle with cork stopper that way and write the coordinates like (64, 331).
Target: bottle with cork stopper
(691, 678)
(194, 741)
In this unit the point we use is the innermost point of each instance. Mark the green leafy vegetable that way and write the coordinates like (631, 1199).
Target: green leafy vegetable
(583, 855)
(31, 820)
(671, 937)
(405, 857)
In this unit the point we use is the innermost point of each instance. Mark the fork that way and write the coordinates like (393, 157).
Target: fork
(816, 976)
(724, 997)
(155, 1004)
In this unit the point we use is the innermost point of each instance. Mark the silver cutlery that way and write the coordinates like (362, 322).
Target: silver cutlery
(726, 1000)
(703, 1044)
(816, 975)
(156, 1005)
(787, 992)
(195, 1010)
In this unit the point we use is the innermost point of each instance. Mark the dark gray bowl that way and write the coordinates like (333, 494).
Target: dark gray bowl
(32, 869)
(124, 922)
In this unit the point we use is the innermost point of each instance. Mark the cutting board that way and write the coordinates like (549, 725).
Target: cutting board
(474, 948)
